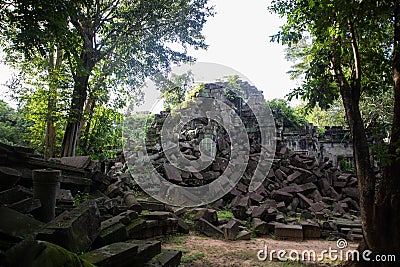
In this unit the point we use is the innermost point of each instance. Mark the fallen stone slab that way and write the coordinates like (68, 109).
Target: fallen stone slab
(15, 226)
(8, 177)
(117, 254)
(311, 230)
(111, 234)
(124, 254)
(167, 258)
(261, 227)
(244, 235)
(288, 232)
(231, 229)
(209, 215)
(208, 229)
(158, 215)
(172, 173)
(131, 202)
(135, 227)
(75, 230)
(26, 205)
(279, 195)
(43, 254)
(79, 162)
(15, 194)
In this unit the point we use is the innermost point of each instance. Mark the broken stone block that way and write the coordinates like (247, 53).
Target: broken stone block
(111, 234)
(351, 192)
(208, 229)
(296, 175)
(123, 254)
(231, 229)
(307, 188)
(244, 235)
(131, 202)
(15, 194)
(260, 227)
(8, 177)
(14, 226)
(135, 227)
(74, 230)
(209, 215)
(43, 254)
(256, 198)
(26, 205)
(304, 201)
(240, 209)
(311, 230)
(288, 232)
(152, 205)
(167, 258)
(158, 215)
(79, 162)
(279, 195)
(172, 173)
(113, 190)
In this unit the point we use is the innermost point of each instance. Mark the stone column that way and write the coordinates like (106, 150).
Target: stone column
(45, 185)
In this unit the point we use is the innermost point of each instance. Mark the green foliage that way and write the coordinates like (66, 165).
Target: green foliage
(225, 214)
(174, 89)
(109, 48)
(318, 32)
(105, 134)
(283, 111)
(80, 197)
(12, 126)
(333, 116)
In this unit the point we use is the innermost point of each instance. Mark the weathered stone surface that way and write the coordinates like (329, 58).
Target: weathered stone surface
(15, 194)
(111, 234)
(80, 162)
(208, 229)
(131, 202)
(311, 231)
(8, 177)
(74, 230)
(280, 195)
(244, 235)
(289, 232)
(167, 258)
(43, 254)
(172, 173)
(209, 215)
(16, 225)
(261, 227)
(231, 229)
(117, 254)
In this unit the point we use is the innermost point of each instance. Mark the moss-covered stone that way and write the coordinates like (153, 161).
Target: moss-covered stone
(43, 254)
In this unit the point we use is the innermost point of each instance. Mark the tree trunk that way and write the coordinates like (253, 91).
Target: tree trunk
(89, 110)
(50, 137)
(71, 134)
(387, 217)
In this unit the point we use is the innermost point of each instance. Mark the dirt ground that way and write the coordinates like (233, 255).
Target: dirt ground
(204, 251)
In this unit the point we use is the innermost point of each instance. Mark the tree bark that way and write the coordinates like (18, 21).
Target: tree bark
(88, 59)
(387, 218)
(50, 137)
(70, 140)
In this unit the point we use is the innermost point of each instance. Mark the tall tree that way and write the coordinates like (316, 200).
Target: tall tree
(352, 50)
(135, 38)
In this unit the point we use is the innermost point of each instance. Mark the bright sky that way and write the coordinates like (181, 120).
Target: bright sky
(238, 37)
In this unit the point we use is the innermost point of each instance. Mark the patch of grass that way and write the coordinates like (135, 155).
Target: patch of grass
(193, 257)
(225, 214)
(178, 239)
